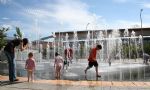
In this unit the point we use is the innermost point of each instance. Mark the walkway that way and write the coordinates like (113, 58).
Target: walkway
(71, 85)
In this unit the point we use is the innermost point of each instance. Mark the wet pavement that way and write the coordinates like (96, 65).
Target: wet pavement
(125, 76)
(33, 86)
(116, 72)
(22, 84)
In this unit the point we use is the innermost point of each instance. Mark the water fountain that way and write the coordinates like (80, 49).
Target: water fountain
(87, 44)
(134, 44)
(47, 51)
(141, 44)
(76, 46)
(67, 40)
(125, 60)
(100, 38)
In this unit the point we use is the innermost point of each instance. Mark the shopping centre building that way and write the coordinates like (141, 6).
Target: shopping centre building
(81, 40)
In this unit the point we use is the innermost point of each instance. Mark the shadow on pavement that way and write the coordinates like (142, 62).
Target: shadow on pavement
(4, 83)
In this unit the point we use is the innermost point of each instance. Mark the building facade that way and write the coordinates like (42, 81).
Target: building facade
(120, 43)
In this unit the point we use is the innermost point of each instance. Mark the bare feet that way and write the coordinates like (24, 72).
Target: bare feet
(99, 76)
(85, 77)
(16, 79)
(32, 80)
(85, 72)
(56, 77)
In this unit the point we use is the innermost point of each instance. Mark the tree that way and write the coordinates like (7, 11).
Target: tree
(3, 36)
(18, 33)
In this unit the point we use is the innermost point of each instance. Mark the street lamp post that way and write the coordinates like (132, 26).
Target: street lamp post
(142, 38)
(37, 35)
(87, 25)
(142, 31)
(141, 20)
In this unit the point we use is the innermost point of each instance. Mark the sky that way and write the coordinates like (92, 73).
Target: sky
(39, 18)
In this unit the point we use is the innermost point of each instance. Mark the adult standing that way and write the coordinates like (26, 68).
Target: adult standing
(10, 53)
(69, 54)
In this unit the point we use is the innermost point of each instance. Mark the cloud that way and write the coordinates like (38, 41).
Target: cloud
(5, 18)
(76, 14)
(6, 26)
(146, 16)
(38, 13)
(71, 14)
(146, 5)
(126, 24)
(4, 1)
(120, 1)
(11, 23)
(65, 15)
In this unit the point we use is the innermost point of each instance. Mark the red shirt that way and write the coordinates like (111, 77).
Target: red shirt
(92, 56)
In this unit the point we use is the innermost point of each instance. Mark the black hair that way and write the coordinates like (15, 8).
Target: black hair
(25, 41)
(56, 54)
(99, 46)
(16, 42)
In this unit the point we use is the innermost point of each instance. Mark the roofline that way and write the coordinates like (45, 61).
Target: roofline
(101, 30)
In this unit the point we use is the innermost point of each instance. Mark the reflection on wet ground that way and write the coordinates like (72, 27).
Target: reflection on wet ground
(115, 72)
(39, 86)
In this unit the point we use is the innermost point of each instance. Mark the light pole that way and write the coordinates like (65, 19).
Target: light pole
(37, 34)
(142, 31)
(87, 25)
(141, 20)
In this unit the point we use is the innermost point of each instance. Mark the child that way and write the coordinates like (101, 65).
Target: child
(30, 66)
(58, 65)
(92, 60)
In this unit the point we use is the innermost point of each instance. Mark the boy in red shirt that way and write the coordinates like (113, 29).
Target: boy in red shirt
(92, 59)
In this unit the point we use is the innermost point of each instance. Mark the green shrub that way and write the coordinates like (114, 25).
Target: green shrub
(3, 36)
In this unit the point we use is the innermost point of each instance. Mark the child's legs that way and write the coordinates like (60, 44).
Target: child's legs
(32, 75)
(96, 67)
(90, 65)
(65, 66)
(29, 75)
(56, 72)
(70, 60)
(58, 68)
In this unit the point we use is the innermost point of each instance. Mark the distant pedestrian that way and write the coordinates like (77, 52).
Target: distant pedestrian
(146, 58)
(30, 66)
(10, 54)
(92, 60)
(58, 64)
(109, 59)
(68, 57)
